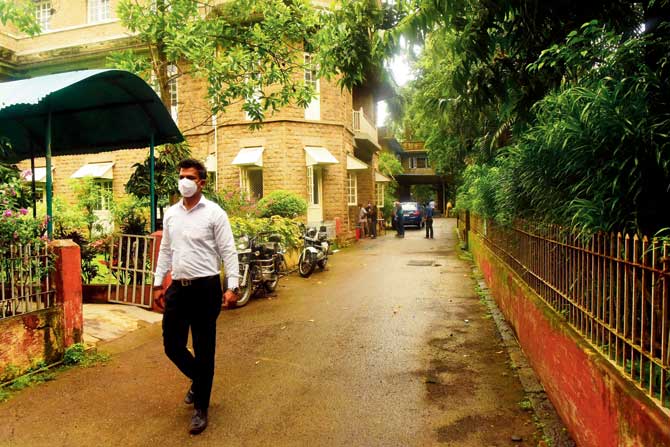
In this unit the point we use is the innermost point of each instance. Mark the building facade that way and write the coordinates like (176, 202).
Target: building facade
(326, 153)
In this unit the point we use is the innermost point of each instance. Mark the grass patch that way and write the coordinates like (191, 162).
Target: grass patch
(75, 355)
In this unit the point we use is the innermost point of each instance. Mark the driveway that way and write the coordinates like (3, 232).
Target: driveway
(390, 346)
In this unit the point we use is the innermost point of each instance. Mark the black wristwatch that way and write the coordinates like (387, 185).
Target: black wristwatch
(236, 290)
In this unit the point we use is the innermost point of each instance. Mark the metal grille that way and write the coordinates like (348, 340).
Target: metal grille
(25, 285)
(130, 264)
(613, 289)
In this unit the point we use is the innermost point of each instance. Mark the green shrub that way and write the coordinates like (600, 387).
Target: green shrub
(282, 203)
(289, 229)
(234, 203)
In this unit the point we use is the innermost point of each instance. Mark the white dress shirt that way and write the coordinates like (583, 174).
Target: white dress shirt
(194, 243)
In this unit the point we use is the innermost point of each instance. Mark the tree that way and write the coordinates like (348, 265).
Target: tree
(165, 178)
(20, 13)
(247, 50)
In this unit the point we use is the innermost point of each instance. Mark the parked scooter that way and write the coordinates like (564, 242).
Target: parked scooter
(261, 264)
(315, 251)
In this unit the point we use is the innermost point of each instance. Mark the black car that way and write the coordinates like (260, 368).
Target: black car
(412, 214)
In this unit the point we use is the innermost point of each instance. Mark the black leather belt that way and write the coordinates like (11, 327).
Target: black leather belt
(194, 281)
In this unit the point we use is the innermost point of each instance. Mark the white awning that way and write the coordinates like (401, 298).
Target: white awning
(95, 170)
(319, 156)
(354, 164)
(381, 178)
(40, 175)
(210, 163)
(249, 156)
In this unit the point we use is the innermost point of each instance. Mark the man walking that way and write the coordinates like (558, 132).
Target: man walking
(196, 237)
(429, 219)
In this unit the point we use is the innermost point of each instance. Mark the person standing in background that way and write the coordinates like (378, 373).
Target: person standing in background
(428, 216)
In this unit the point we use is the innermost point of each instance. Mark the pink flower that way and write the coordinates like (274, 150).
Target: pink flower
(23, 211)
(7, 213)
(26, 174)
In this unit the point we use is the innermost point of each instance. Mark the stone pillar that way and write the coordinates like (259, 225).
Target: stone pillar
(67, 281)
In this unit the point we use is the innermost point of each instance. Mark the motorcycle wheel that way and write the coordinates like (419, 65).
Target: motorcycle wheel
(322, 263)
(305, 264)
(270, 286)
(245, 292)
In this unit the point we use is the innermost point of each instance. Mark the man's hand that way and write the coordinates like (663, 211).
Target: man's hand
(230, 298)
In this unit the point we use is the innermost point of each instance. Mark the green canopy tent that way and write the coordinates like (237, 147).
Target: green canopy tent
(80, 112)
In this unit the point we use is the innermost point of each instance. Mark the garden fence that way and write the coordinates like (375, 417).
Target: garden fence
(612, 288)
(25, 284)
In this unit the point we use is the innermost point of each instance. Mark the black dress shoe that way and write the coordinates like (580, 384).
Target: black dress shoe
(188, 399)
(198, 421)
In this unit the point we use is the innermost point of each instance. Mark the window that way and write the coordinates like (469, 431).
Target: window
(98, 10)
(352, 188)
(311, 77)
(380, 194)
(104, 194)
(43, 14)
(418, 162)
(312, 186)
(172, 85)
(251, 182)
(256, 96)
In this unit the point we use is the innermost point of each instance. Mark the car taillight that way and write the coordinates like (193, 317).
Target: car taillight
(416, 213)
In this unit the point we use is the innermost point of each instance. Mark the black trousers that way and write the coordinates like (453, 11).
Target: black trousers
(429, 226)
(197, 307)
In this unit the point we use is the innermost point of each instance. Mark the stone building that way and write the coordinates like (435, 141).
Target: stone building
(326, 153)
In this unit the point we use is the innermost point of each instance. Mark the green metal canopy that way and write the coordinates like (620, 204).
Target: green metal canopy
(91, 111)
(81, 112)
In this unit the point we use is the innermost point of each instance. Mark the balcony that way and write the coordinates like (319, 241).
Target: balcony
(365, 134)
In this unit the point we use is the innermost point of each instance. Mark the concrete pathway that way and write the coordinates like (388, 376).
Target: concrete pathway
(391, 346)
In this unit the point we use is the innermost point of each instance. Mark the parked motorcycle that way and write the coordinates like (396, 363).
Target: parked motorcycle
(315, 251)
(262, 262)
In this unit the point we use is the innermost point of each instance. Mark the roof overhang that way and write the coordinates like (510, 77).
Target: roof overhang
(249, 156)
(95, 170)
(40, 175)
(90, 111)
(318, 156)
(354, 164)
(381, 178)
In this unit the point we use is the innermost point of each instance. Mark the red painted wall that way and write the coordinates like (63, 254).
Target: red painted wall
(43, 336)
(598, 405)
(27, 340)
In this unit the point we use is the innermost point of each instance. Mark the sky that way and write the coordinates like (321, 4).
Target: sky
(402, 73)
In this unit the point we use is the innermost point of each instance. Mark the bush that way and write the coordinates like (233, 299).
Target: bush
(132, 214)
(282, 203)
(234, 203)
(289, 229)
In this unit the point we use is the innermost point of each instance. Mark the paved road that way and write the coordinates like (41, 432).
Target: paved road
(371, 352)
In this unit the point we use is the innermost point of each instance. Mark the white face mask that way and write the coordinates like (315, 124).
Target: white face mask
(187, 187)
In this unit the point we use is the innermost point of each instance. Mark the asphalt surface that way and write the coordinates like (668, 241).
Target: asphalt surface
(390, 346)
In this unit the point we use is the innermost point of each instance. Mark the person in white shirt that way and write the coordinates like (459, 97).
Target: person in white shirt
(196, 237)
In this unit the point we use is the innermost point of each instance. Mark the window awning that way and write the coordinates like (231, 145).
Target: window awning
(249, 156)
(381, 178)
(210, 163)
(95, 170)
(40, 175)
(354, 164)
(319, 156)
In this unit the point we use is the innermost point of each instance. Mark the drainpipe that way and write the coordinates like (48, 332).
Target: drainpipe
(215, 126)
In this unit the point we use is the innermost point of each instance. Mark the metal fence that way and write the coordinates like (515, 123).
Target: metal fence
(612, 288)
(131, 265)
(25, 284)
